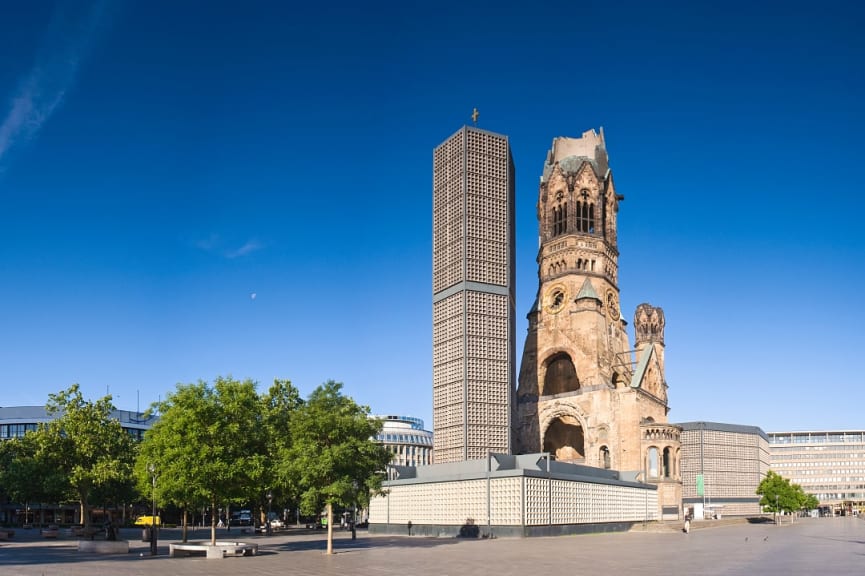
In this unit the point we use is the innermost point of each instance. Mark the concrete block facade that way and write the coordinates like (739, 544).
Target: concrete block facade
(733, 459)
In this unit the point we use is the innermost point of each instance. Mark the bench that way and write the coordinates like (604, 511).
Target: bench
(90, 532)
(50, 532)
(219, 550)
(104, 546)
(6, 534)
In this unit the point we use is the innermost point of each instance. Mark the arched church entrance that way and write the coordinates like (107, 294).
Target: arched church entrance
(564, 439)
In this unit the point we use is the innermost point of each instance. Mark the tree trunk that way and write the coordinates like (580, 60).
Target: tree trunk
(329, 528)
(85, 516)
(213, 514)
(184, 526)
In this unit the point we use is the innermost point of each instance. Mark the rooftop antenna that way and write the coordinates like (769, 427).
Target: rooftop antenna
(475, 115)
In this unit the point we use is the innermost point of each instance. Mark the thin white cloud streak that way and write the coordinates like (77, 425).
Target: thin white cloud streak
(248, 248)
(214, 243)
(43, 88)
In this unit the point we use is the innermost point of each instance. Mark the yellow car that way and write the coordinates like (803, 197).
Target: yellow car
(147, 521)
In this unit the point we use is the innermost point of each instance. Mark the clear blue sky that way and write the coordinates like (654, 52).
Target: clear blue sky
(163, 162)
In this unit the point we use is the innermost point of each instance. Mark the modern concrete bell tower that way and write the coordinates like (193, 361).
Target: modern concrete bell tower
(473, 296)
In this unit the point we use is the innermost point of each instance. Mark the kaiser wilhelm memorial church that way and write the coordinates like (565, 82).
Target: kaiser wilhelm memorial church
(580, 442)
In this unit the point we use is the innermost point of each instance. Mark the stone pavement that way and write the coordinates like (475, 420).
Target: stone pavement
(810, 546)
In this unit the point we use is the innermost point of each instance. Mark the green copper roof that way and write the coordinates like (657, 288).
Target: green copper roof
(587, 291)
(637, 378)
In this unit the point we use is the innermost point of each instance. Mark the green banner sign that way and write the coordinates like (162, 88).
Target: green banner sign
(699, 485)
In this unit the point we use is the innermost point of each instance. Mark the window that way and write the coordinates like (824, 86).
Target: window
(585, 214)
(560, 219)
(605, 457)
(652, 462)
(667, 463)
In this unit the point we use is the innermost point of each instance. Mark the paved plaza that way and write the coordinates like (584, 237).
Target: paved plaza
(811, 546)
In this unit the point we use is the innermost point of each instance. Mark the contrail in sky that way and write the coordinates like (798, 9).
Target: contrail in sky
(41, 90)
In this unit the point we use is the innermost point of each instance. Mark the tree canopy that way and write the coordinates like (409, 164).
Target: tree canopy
(24, 477)
(82, 451)
(213, 445)
(205, 449)
(778, 495)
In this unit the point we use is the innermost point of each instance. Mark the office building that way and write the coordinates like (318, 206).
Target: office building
(830, 464)
(407, 439)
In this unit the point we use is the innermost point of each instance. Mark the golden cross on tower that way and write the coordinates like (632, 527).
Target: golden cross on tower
(475, 115)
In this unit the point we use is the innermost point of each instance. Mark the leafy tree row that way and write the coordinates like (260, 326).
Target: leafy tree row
(778, 494)
(214, 444)
(81, 455)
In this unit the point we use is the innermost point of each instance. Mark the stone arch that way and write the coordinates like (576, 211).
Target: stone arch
(667, 462)
(564, 438)
(604, 458)
(653, 463)
(560, 375)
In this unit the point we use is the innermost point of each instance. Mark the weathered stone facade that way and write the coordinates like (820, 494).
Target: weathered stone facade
(584, 395)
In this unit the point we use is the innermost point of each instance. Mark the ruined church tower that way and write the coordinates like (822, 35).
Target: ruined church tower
(585, 395)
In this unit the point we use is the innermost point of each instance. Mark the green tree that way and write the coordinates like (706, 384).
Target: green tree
(332, 454)
(83, 446)
(777, 494)
(804, 501)
(205, 449)
(24, 477)
(279, 405)
(811, 502)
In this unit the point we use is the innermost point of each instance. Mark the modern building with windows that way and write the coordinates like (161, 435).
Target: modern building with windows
(721, 467)
(15, 421)
(830, 464)
(407, 439)
(474, 367)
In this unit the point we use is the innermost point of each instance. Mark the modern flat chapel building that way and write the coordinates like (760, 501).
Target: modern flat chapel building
(473, 295)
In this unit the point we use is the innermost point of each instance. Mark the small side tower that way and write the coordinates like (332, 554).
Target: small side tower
(649, 329)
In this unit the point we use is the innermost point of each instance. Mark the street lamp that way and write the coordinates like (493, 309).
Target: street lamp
(267, 527)
(153, 524)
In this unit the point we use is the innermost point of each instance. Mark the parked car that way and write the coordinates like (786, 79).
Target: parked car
(148, 521)
(276, 524)
(241, 518)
